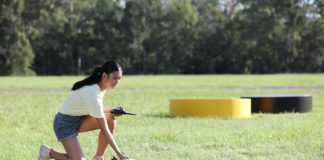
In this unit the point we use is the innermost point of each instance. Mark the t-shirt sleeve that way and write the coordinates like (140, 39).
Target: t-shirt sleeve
(94, 103)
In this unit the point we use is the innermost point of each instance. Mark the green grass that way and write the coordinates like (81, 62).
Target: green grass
(28, 104)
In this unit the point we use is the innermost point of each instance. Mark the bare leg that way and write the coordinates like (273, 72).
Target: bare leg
(90, 123)
(73, 149)
(72, 146)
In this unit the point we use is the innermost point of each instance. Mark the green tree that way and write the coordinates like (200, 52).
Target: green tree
(55, 36)
(262, 30)
(207, 54)
(16, 54)
(311, 55)
(169, 48)
(139, 20)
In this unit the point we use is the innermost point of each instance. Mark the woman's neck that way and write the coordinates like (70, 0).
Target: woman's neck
(102, 86)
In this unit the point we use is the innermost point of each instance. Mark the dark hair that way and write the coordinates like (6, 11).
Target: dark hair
(95, 77)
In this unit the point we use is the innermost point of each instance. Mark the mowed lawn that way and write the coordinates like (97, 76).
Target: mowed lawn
(28, 105)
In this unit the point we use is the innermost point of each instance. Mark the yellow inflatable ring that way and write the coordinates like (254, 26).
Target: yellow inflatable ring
(224, 108)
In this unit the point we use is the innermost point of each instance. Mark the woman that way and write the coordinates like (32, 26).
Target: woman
(83, 111)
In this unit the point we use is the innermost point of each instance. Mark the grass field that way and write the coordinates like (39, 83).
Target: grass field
(28, 104)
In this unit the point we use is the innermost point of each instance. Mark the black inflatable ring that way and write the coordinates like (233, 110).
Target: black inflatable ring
(280, 103)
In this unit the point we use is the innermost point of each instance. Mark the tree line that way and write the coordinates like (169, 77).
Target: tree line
(63, 37)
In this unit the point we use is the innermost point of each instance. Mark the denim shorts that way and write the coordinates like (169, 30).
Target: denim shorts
(66, 126)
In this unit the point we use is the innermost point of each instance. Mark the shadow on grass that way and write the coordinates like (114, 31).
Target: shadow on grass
(167, 115)
(157, 115)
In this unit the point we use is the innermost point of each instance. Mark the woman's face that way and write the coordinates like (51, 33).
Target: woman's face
(111, 80)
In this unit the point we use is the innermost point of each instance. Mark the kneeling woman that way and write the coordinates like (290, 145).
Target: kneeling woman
(82, 112)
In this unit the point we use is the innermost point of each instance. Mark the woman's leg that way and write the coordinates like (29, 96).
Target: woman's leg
(90, 123)
(58, 155)
(47, 153)
(72, 148)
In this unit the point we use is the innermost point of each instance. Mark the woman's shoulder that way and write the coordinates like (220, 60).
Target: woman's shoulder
(93, 88)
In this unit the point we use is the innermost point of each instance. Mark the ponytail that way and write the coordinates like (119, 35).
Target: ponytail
(92, 79)
(108, 67)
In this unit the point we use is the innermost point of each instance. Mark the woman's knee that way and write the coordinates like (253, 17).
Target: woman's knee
(111, 121)
(73, 149)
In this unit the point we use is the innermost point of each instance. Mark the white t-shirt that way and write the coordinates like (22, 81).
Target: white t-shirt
(88, 100)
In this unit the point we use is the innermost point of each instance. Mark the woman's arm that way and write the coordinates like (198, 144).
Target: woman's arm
(104, 128)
